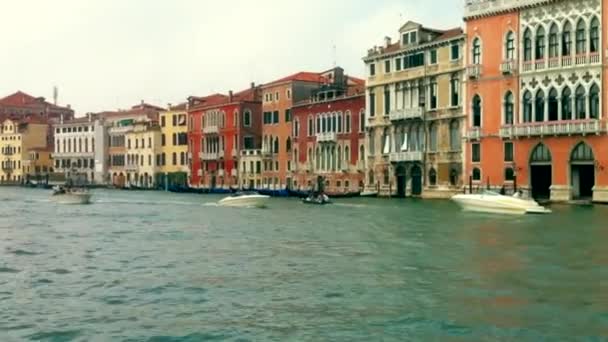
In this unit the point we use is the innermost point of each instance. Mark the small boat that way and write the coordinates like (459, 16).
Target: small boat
(69, 195)
(369, 194)
(245, 200)
(351, 194)
(492, 202)
(320, 199)
(298, 193)
(274, 193)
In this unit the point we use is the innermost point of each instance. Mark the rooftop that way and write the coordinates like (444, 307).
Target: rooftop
(483, 8)
(21, 99)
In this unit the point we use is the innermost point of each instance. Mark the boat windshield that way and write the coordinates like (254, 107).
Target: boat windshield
(490, 193)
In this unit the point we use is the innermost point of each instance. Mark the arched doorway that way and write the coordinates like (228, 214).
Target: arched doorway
(401, 180)
(582, 171)
(541, 172)
(416, 181)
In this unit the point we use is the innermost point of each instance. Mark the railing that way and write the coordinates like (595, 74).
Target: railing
(594, 58)
(566, 61)
(327, 137)
(361, 166)
(221, 173)
(406, 113)
(398, 157)
(234, 172)
(580, 59)
(539, 64)
(473, 71)
(508, 66)
(527, 66)
(234, 153)
(248, 153)
(208, 156)
(549, 128)
(211, 130)
(554, 62)
(474, 133)
(132, 168)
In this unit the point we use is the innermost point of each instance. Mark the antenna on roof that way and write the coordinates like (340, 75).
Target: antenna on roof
(55, 95)
(334, 55)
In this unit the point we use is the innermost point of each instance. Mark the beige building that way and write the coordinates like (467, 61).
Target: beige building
(143, 142)
(174, 160)
(250, 169)
(17, 139)
(414, 105)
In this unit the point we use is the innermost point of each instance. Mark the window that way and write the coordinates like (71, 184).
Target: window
(433, 137)
(405, 38)
(347, 121)
(508, 108)
(288, 93)
(362, 121)
(527, 106)
(567, 40)
(454, 90)
(288, 115)
(476, 111)
(594, 36)
(387, 100)
(386, 142)
(275, 117)
(372, 69)
(310, 126)
(527, 45)
(413, 37)
(540, 106)
(540, 43)
(276, 96)
(248, 142)
(340, 122)
(476, 51)
(508, 152)
(387, 66)
(594, 102)
(398, 64)
(580, 103)
(553, 105)
(509, 174)
(174, 158)
(174, 122)
(566, 104)
(553, 42)
(476, 153)
(162, 121)
(581, 38)
(433, 88)
(433, 177)
(413, 61)
(510, 46)
(455, 136)
(372, 103)
(455, 52)
(296, 128)
(433, 57)
(247, 118)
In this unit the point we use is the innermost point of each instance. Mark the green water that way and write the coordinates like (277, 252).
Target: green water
(162, 267)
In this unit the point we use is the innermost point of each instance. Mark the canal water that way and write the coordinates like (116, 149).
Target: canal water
(148, 266)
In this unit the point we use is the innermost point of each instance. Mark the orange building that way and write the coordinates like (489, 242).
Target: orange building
(278, 98)
(534, 109)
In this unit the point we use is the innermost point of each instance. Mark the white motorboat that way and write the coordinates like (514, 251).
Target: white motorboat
(245, 201)
(71, 196)
(491, 202)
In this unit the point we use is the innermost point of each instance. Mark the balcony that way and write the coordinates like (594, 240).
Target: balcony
(401, 157)
(208, 156)
(592, 58)
(132, 168)
(234, 153)
(508, 67)
(7, 167)
(473, 71)
(361, 166)
(474, 133)
(327, 137)
(251, 153)
(211, 130)
(406, 114)
(552, 128)
(234, 172)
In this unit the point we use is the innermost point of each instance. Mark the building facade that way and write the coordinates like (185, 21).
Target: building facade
(17, 139)
(142, 160)
(414, 113)
(278, 99)
(174, 160)
(22, 105)
(250, 171)
(329, 135)
(535, 106)
(221, 127)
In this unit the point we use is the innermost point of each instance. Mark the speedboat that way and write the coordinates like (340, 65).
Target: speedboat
(321, 199)
(71, 196)
(492, 202)
(245, 201)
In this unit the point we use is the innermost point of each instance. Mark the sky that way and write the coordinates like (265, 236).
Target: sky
(111, 54)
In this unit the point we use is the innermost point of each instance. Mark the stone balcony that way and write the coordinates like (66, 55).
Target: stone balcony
(476, 8)
(561, 62)
(406, 114)
(508, 67)
(473, 71)
(208, 155)
(211, 130)
(552, 128)
(413, 156)
(327, 137)
(132, 168)
(473, 133)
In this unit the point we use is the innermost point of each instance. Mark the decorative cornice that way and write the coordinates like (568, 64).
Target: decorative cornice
(475, 9)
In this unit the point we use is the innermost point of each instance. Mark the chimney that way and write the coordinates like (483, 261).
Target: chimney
(142, 102)
(89, 116)
(230, 96)
(61, 119)
(252, 85)
(387, 41)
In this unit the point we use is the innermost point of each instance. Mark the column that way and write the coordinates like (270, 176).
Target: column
(546, 108)
(559, 105)
(587, 107)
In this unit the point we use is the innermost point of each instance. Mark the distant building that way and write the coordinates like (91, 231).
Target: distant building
(173, 158)
(22, 105)
(17, 139)
(143, 141)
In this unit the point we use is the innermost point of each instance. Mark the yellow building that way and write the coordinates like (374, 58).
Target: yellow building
(414, 113)
(142, 163)
(17, 139)
(173, 156)
(38, 165)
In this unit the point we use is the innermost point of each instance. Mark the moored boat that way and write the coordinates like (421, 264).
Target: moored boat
(317, 199)
(245, 200)
(494, 203)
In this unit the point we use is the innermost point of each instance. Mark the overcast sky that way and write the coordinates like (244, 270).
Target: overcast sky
(109, 54)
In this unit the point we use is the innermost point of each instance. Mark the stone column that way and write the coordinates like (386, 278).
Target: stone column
(559, 108)
(587, 107)
(546, 108)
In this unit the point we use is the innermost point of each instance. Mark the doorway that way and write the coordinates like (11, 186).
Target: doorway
(416, 181)
(401, 181)
(582, 171)
(540, 181)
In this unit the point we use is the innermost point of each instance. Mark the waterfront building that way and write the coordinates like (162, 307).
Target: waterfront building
(278, 99)
(534, 105)
(80, 149)
(17, 138)
(38, 165)
(174, 159)
(329, 135)
(220, 127)
(414, 113)
(22, 105)
(142, 157)
(250, 177)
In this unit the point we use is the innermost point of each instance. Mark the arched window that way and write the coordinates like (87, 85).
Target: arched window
(567, 40)
(582, 153)
(566, 104)
(540, 43)
(540, 106)
(288, 144)
(476, 174)
(387, 178)
(594, 36)
(454, 90)
(553, 105)
(247, 118)
(433, 177)
(386, 141)
(454, 136)
(339, 157)
(594, 102)
(553, 41)
(296, 127)
(476, 51)
(310, 126)
(433, 93)
(527, 106)
(340, 122)
(347, 123)
(476, 111)
(370, 177)
(318, 159)
(581, 38)
(421, 138)
(580, 103)
(276, 145)
(433, 137)
(362, 121)
(527, 45)
(509, 108)
(361, 153)
(509, 174)
(334, 124)
(510, 46)
(347, 155)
